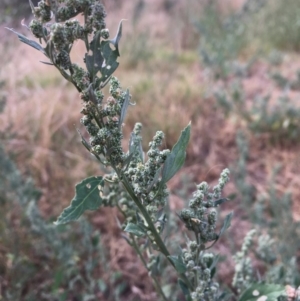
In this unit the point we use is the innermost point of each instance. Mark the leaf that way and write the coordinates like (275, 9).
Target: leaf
(219, 202)
(92, 95)
(47, 63)
(31, 43)
(87, 197)
(124, 108)
(263, 292)
(212, 266)
(110, 63)
(94, 61)
(49, 49)
(115, 41)
(224, 296)
(31, 6)
(185, 290)
(131, 144)
(84, 142)
(135, 229)
(179, 264)
(227, 223)
(176, 158)
(136, 147)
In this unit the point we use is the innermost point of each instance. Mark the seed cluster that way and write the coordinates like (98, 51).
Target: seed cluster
(201, 216)
(64, 31)
(102, 123)
(144, 175)
(243, 275)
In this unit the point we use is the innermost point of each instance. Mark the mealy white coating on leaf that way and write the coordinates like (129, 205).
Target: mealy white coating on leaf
(262, 298)
(255, 293)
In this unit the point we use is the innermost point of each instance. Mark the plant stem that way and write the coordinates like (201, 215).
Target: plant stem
(157, 238)
(156, 283)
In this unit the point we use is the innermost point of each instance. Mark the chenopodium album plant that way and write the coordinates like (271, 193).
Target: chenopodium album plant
(137, 183)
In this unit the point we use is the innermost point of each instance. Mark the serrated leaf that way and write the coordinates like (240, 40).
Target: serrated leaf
(226, 224)
(265, 292)
(25, 40)
(115, 41)
(87, 197)
(179, 264)
(176, 158)
(94, 61)
(135, 230)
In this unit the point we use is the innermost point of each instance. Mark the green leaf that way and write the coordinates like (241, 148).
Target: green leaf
(185, 290)
(213, 264)
(226, 223)
(179, 264)
(50, 52)
(124, 108)
(110, 63)
(219, 202)
(176, 158)
(31, 6)
(84, 142)
(31, 43)
(263, 292)
(94, 61)
(135, 229)
(115, 41)
(136, 147)
(87, 197)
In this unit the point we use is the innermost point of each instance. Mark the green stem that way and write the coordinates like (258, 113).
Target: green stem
(156, 283)
(162, 247)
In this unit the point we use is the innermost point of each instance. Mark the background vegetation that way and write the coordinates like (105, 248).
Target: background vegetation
(231, 67)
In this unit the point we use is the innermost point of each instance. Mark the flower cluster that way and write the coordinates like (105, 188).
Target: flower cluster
(265, 249)
(144, 176)
(243, 275)
(64, 32)
(102, 123)
(201, 217)
(200, 268)
(115, 195)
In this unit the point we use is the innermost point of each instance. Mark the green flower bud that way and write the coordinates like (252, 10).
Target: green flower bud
(191, 264)
(36, 28)
(105, 33)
